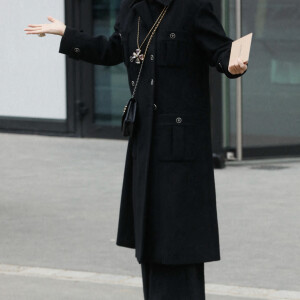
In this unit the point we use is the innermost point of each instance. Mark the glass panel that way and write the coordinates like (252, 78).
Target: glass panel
(229, 86)
(271, 87)
(111, 83)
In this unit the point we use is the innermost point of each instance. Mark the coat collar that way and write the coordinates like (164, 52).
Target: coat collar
(163, 2)
(143, 10)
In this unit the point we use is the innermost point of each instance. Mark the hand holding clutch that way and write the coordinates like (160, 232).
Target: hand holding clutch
(238, 67)
(239, 55)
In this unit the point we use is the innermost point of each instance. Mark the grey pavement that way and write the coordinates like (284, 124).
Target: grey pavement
(37, 289)
(59, 205)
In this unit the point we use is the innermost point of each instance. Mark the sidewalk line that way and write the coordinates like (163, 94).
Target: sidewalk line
(131, 281)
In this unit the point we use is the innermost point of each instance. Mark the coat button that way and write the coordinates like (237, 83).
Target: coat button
(132, 83)
(154, 106)
(152, 81)
(172, 35)
(76, 50)
(221, 66)
(178, 120)
(152, 57)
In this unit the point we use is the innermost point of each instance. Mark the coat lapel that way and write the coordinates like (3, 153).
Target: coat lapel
(141, 7)
(143, 10)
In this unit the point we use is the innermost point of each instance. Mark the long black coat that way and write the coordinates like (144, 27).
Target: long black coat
(168, 204)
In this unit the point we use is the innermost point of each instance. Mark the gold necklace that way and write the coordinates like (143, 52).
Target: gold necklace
(137, 55)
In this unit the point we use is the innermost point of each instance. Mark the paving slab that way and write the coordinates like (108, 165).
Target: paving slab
(59, 205)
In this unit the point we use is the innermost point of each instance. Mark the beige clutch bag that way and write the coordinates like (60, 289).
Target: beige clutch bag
(241, 48)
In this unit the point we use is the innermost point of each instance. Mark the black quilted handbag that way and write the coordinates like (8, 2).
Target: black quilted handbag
(128, 117)
(129, 111)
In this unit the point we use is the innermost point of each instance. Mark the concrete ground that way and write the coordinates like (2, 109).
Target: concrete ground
(59, 206)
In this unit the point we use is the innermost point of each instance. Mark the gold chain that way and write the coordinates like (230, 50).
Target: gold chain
(152, 34)
(137, 54)
(138, 33)
(154, 30)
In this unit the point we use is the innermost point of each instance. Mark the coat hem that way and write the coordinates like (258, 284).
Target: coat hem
(125, 244)
(184, 261)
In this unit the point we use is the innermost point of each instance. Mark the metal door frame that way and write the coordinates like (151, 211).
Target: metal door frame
(240, 152)
(239, 107)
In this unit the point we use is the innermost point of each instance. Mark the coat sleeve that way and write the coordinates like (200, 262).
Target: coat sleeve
(99, 50)
(211, 38)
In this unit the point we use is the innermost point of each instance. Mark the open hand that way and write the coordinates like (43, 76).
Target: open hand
(55, 27)
(238, 67)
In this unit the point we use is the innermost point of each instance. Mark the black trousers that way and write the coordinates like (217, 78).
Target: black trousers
(173, 282)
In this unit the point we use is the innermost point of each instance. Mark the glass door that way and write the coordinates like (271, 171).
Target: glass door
(271, 87)
(110, 83)
(104, 89)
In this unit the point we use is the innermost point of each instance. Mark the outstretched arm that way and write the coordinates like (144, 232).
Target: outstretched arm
(212, 39)
(98, 50)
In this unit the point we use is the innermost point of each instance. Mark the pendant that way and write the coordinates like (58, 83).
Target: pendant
(137, 56)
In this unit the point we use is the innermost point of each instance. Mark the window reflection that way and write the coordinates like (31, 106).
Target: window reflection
(111, 83)
(271, 88)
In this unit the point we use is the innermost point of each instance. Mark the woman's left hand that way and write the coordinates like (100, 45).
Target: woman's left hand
(55, 27)
(238, 67)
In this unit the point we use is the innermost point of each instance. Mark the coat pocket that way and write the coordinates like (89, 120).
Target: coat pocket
(173, 47)
(181, 138)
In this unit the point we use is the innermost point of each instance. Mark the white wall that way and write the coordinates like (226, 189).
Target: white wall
(32, 72)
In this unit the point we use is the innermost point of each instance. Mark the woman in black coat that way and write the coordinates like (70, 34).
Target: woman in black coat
(168, 204)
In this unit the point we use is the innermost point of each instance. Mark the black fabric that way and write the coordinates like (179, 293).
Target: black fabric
(155, 8)
(173, 282)
(163, 2)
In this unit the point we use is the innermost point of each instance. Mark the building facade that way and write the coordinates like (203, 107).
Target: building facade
(44, 92)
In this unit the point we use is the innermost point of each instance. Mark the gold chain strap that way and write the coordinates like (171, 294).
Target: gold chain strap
(153, 32)
(137, 54)
(138, 32)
